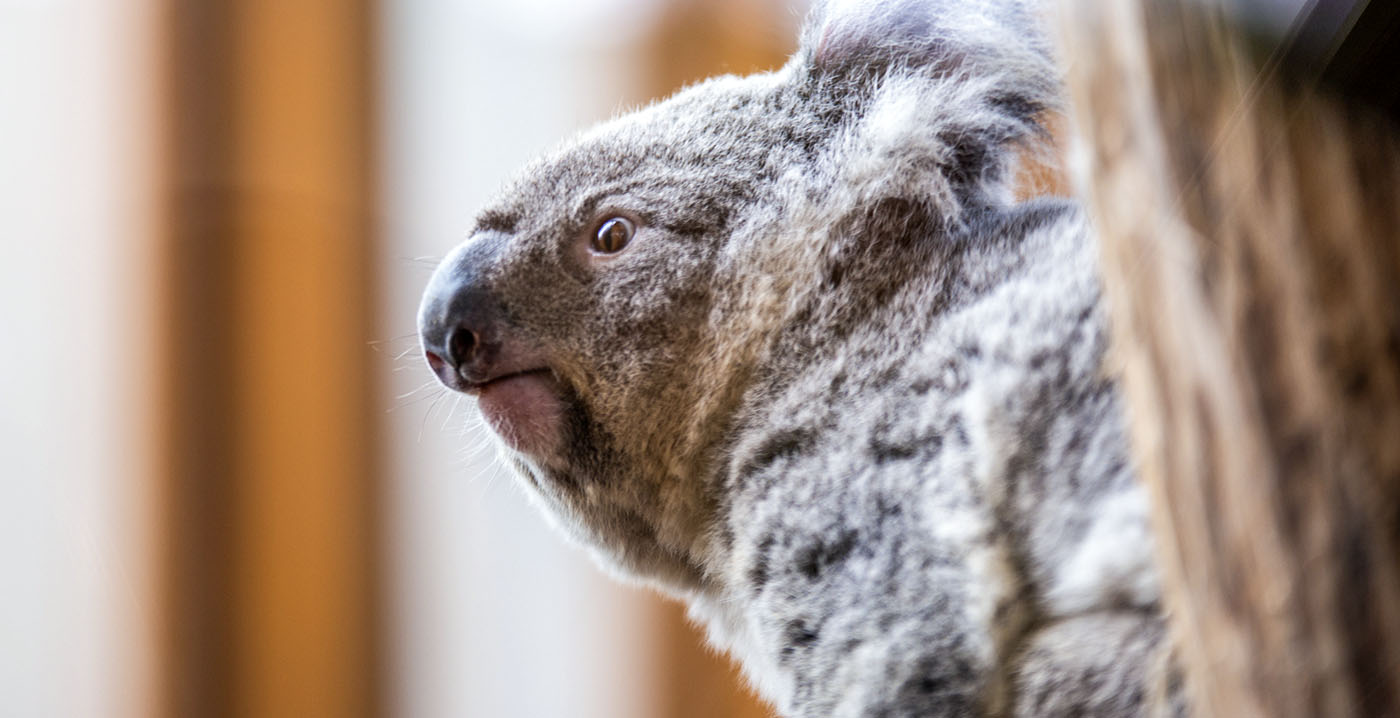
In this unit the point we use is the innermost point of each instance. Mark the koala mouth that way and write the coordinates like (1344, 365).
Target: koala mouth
(524, 408)
(475, 388)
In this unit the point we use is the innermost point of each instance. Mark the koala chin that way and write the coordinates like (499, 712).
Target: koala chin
(785, 347)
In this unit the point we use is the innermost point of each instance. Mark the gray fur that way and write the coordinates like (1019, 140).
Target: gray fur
(842, 395)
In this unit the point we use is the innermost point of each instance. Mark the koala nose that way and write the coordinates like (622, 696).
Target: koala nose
(461, 324)
(461, 331)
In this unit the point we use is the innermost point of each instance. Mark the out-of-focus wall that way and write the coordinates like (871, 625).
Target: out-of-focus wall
(76, 163)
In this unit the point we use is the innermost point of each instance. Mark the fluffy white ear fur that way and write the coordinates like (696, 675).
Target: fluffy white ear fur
(860, 29)
(943, 33)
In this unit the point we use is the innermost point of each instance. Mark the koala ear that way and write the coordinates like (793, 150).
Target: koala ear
(941, 35)
(978, 76)
(842, 32)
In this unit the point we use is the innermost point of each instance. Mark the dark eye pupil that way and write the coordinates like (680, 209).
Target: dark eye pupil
(613, 235)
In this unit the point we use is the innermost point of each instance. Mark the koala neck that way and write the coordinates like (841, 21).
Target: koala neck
(789, 314)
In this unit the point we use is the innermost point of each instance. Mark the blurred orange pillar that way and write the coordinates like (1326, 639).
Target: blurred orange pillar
(271, 533)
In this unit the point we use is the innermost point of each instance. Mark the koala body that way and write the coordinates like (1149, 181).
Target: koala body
(784, 347)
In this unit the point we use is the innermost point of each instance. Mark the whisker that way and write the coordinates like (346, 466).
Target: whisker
(416, 400)
(425, 385)
(455, 403)
(377, 343)
(429, 413)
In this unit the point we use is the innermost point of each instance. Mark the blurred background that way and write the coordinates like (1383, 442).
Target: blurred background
(228, 486)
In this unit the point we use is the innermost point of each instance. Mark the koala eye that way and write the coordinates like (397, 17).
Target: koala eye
(613, 235)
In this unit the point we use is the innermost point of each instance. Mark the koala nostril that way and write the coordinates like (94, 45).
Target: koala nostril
(435, 362)
(461, 345)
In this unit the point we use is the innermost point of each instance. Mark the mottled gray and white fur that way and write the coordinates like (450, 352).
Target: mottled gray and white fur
(841, 394)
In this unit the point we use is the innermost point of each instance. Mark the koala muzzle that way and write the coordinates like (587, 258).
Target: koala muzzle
(467, 334)
(472, 346)
(462, 326)
(462, 338)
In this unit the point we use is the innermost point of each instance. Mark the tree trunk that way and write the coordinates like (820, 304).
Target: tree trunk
(1251, 255)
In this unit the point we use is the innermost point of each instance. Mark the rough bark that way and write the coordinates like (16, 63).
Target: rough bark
(1251, 253)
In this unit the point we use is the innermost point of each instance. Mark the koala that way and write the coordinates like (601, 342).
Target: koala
(786, 347)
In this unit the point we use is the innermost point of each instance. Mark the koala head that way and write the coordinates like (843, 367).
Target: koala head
(616, 305)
